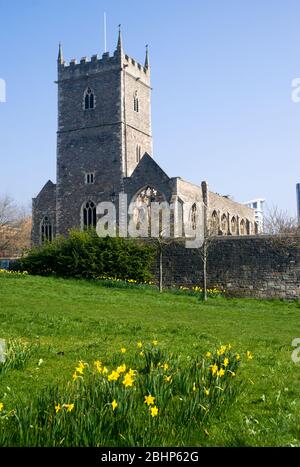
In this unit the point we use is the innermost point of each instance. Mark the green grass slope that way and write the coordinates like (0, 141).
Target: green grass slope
(79, 320)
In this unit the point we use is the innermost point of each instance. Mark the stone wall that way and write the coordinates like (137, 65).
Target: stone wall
(262, 267)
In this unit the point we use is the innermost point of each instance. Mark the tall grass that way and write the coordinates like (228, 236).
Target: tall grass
(140, 398)
(16, 355)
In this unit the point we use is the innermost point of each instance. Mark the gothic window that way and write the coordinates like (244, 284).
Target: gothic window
(194, 217)
(233, 226)
(46, 230)
(243, 227)
(138, 153)
(136, 104)
(90, 178)
(89, 215)
(224, 224)
(215, 223)
(248, 227)
(143, 200)
(89, 99)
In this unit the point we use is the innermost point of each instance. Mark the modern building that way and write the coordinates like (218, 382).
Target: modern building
(258, 206)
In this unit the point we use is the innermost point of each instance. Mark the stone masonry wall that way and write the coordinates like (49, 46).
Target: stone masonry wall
(261, 267)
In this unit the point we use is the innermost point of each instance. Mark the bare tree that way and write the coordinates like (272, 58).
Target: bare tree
(279, 222)
(7, 209)
(209, 238)
(162, 241)
(15, 227)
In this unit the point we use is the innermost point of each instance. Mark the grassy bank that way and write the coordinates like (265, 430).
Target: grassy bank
(69, 321)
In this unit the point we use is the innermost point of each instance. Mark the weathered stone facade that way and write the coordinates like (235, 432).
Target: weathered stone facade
(260, 267)
(104, 147)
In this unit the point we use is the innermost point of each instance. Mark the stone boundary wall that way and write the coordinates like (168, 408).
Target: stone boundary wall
(255, 266)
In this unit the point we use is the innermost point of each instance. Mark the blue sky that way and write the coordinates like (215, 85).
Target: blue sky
(221, 76)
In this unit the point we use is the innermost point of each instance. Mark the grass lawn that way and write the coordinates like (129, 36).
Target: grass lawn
(79, 320)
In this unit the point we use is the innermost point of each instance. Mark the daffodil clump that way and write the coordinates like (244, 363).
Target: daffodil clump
(213, 292)
(7, 273)
(143, 396)
(16, 355)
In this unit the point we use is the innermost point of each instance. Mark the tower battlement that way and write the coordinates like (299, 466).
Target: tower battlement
(89, 66)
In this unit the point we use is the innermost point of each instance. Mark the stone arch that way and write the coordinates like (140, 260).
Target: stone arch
(46, 230)
(243, 227)
(136, 103)
(233, 226)
(88, 215)
(214, 223)
(140, 204)
(194, 216)
(224, 224)
(89, 99)
(248, 227)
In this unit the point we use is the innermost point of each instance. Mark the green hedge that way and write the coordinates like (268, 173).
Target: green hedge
(85, 255)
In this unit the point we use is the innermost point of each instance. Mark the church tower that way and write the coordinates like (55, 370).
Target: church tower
(104, 129)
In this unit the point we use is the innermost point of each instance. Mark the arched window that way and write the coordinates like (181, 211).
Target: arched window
(138, 153)
(243, 227)
(89, 99)
(214, 223)
(142, 205)
(194, 217)
(224, 224)
(136, 102)
(248, 227)
(89, 215)
(46, 230)
(233, 226)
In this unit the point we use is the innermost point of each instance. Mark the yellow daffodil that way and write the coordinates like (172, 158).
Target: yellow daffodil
(79, 370)
(139, 345)
(1, 406)
(128, 380)
(221, 372)
(98, 366)
(214, 369)
(122, 368)
(165, 366)
(168, 378)
(155, 342)
(131, 372)
(69, 407)
(57, 408)
(114, 404)
(75, 376)
(154, 411)
(149, 400)
(206, 391)
(208, 354)
(114, 376)
(123, 350)
(238, 357)
(221, 350)
(226, 362)
(249, 355)
(142, 354)
(104, 370)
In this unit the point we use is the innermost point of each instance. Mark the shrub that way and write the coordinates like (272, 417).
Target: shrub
(85, 255)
